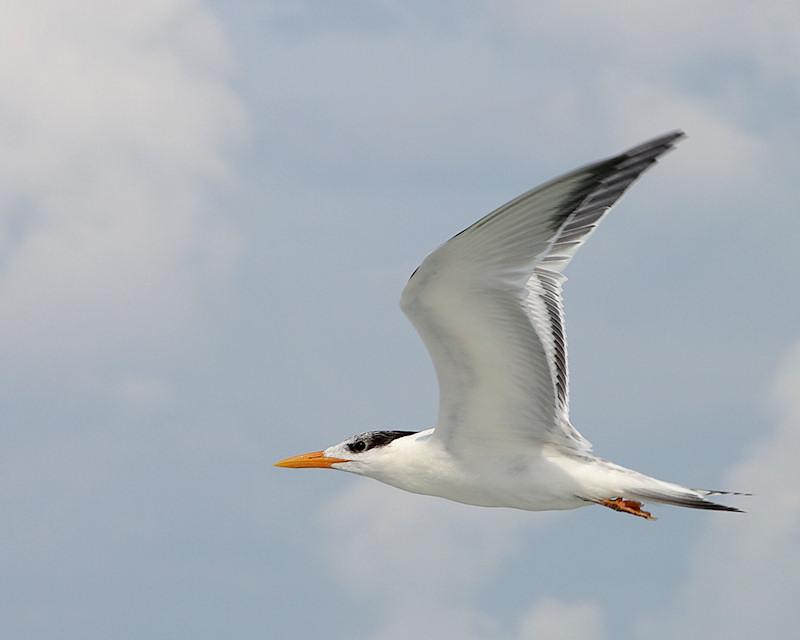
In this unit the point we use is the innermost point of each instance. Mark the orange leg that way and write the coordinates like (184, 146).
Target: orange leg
(633, 507)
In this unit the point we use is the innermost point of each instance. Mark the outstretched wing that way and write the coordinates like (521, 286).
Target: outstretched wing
(487, 305)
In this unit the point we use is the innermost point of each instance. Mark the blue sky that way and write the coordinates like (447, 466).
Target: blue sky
(208, 213)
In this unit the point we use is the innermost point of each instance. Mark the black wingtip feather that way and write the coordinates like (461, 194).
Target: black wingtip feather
(664, 140)
(713, 506)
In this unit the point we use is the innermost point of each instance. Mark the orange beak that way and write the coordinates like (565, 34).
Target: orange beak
(309, 460)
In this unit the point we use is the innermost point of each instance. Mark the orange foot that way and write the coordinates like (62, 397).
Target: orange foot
(627, 506)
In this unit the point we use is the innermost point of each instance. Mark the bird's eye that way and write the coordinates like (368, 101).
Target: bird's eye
(358, 446)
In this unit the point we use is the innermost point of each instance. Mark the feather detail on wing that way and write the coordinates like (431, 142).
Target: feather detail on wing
(487, 304)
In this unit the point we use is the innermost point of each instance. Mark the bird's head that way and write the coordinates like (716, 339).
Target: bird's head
(359, 454)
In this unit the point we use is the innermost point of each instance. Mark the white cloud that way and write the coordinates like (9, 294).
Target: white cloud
(116, 126)
(409, 548)
(651, 79)
(551, 619)
(422, 561)
(668, 36)
(745, 570)
(551, 92)
(116, 122)
(431, 620)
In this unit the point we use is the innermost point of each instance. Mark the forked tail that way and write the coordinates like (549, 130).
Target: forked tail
(626, 490)
(683, 497)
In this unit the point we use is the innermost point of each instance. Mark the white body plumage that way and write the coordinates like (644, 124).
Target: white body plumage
(537, 478)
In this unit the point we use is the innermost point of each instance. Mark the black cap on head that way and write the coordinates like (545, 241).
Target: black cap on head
(372, 439)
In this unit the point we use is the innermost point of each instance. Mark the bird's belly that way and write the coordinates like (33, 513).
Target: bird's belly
(531, 483)
(526, 493)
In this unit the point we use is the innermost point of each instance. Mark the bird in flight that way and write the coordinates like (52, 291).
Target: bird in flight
(488, 306)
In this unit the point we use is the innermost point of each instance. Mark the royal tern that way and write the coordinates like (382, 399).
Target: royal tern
(487, 304)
